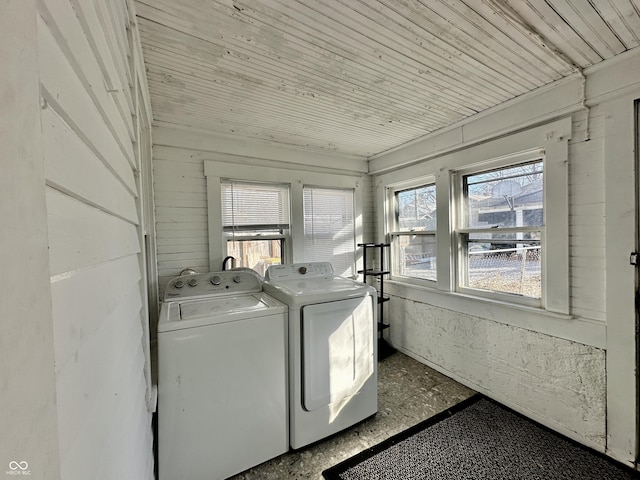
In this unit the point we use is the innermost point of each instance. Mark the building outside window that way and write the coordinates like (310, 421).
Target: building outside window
(494, 239)
(500, 230)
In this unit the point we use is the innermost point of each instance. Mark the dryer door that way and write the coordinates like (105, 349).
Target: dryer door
(337, 350)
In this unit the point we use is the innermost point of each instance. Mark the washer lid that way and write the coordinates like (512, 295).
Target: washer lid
(221, 306)
(179, 315)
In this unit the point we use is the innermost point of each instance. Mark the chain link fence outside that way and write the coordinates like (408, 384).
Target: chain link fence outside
(511, 270)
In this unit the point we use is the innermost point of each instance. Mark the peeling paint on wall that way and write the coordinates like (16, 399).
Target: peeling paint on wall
(557, 379)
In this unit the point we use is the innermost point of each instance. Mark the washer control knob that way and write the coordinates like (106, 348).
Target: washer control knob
(215, 280)
(179, 284)
(302, 270)
(193, 282)
(237, 279)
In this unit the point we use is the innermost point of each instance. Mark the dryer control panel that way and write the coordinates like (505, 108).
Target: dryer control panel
(213, 283)
(299, 270)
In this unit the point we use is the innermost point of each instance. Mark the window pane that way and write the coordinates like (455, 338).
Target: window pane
(508, 197)
(329, 228)
(416, 256)
(509, 263)
(256, 254)
(417, 209)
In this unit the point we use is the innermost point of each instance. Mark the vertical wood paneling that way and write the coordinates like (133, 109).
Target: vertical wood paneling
(586, 218)
(94, 241)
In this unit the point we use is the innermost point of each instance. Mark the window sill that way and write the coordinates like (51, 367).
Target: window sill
(581, 330)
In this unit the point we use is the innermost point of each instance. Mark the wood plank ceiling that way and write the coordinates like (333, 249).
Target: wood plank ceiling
(359, 77)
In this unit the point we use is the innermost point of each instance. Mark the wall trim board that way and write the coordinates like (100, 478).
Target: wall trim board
(606, 80)
(241, 163)
(620, 209)
(138, 61)
(542, 106)
(504, 145)
(192, 139)
(613, 78)
(567, 327)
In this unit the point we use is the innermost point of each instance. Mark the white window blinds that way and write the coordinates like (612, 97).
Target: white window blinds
(329, 228)
(254, 207)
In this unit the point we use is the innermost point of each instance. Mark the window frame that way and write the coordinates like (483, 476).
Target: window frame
(284, 236)
(462, 231)
(552, 138)
(394, 232)
(293, 175)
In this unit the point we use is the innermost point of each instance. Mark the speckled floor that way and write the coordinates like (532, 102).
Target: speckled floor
(408, 392)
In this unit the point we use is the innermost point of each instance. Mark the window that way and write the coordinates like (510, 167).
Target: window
(414, 235)
(329, 228)
(276, 213)
(500, 230)
(255, 222)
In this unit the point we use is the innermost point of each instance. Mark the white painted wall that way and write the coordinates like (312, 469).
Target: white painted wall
(74, 392)
(181, 189)
(28, 420)
(575, 374)
(92, 194)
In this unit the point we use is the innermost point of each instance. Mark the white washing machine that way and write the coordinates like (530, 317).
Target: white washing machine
(222, 376)
(332, 349)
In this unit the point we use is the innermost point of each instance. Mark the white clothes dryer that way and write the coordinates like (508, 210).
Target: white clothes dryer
(222, 376)
(332, 349)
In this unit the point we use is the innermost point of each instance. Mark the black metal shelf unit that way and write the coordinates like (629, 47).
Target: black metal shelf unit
(384, 349)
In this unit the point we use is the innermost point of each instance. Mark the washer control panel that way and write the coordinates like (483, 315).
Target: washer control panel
(213, 283)
(299, 270)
